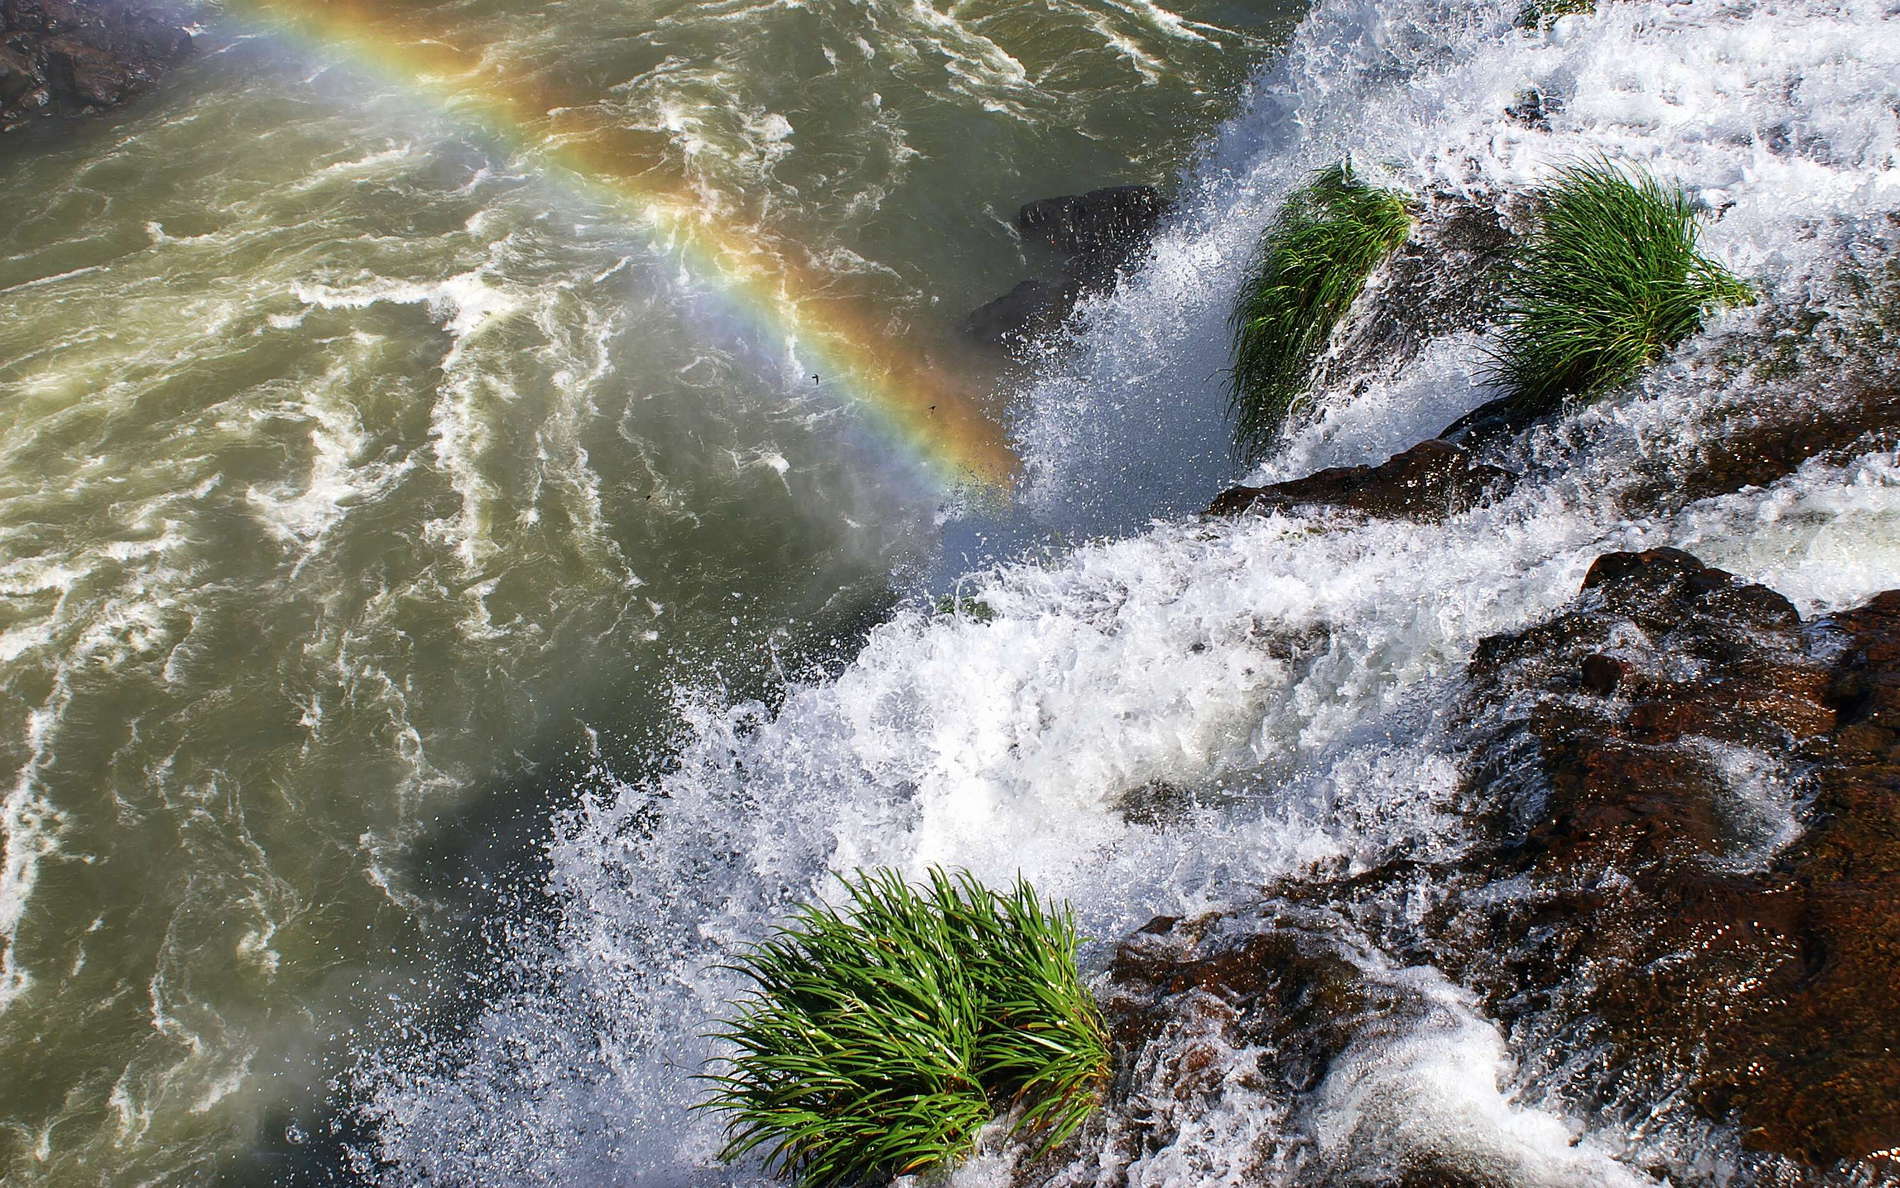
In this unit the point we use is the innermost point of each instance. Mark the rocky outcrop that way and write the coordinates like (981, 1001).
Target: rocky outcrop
(1096, 232)
(1291, 992)
(74, 57)
(1430, 481)
(1019, 317)
(1767, 439)
(1444, 279)
(1093, 235)
(1730, 447)
(1682, 885)
(1650, 759)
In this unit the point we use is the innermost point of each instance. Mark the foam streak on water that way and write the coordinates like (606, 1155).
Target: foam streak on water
(1283, 678)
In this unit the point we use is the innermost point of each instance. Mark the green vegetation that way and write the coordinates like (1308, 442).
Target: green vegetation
(1609, 281)
(964, 607)
(1313, 263)
(878, 1040)
(1541, 14)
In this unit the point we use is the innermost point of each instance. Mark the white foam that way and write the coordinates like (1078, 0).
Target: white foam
(1437, 1089)
(467, 305)
(1272, 688)
(30, 826)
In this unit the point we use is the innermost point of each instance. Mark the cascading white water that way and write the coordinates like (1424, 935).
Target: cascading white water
(1284, 678)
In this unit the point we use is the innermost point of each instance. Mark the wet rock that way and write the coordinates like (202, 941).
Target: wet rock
(1727, 448)
(1098, 231)
(1444, 279)
(1681, 900)
(1816, 1074)
(1019, 317)
(1651, 900)
(71, 57)
(1156, 802)
(1280, 990)
(1430, 481)
(1491, 422)
(1602, 674)
(1284, 987)
(1534, 107)
(1095, 234)
(1766, 440)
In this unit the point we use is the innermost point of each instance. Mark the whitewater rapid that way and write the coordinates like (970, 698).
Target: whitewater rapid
(1277, 685)
(366, 474)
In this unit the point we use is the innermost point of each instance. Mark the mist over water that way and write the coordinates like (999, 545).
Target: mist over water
(363, 484)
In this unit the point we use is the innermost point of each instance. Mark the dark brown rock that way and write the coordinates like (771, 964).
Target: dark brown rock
(1762, 442)
(1442, 280)
(1430, 481)
(1817, 1069)
(71, 57)
(1019, 317)
(1643, 927)
(1096, 234)
(1098, 231)
(1766, 984)
(1748, 444)
(1185, 995)
(1602, 674)
(1492, 422)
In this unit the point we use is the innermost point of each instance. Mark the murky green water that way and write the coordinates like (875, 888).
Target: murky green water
(359, 482)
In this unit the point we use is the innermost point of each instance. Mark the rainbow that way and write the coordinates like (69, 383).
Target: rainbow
(919, 404)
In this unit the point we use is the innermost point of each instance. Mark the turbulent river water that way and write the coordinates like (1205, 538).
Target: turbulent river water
(439, 622)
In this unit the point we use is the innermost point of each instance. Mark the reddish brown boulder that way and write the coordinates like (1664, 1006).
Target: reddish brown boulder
(1822, 1067)
(1647, 836)
(1430, 481)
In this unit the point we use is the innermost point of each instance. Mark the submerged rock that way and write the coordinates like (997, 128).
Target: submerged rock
(1430, 481)
(1096, 234)
(1098, 231)
(1022, 315)
(73, 57)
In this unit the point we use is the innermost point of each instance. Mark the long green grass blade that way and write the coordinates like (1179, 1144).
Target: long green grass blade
(1312, 265)
(877, 1039)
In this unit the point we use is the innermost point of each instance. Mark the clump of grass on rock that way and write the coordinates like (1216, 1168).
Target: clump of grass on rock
(1314, 262)
(1610, 279)
(1542, 14)
(878, 1039)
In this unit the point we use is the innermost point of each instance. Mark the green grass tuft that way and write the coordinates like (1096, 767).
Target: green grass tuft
(1313, 263)
(1542, 14)
(1610, 280)
(878, 1040)
(954, 606)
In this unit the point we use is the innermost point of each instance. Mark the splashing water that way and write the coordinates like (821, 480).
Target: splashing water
(1284, 678)
(364, 476)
